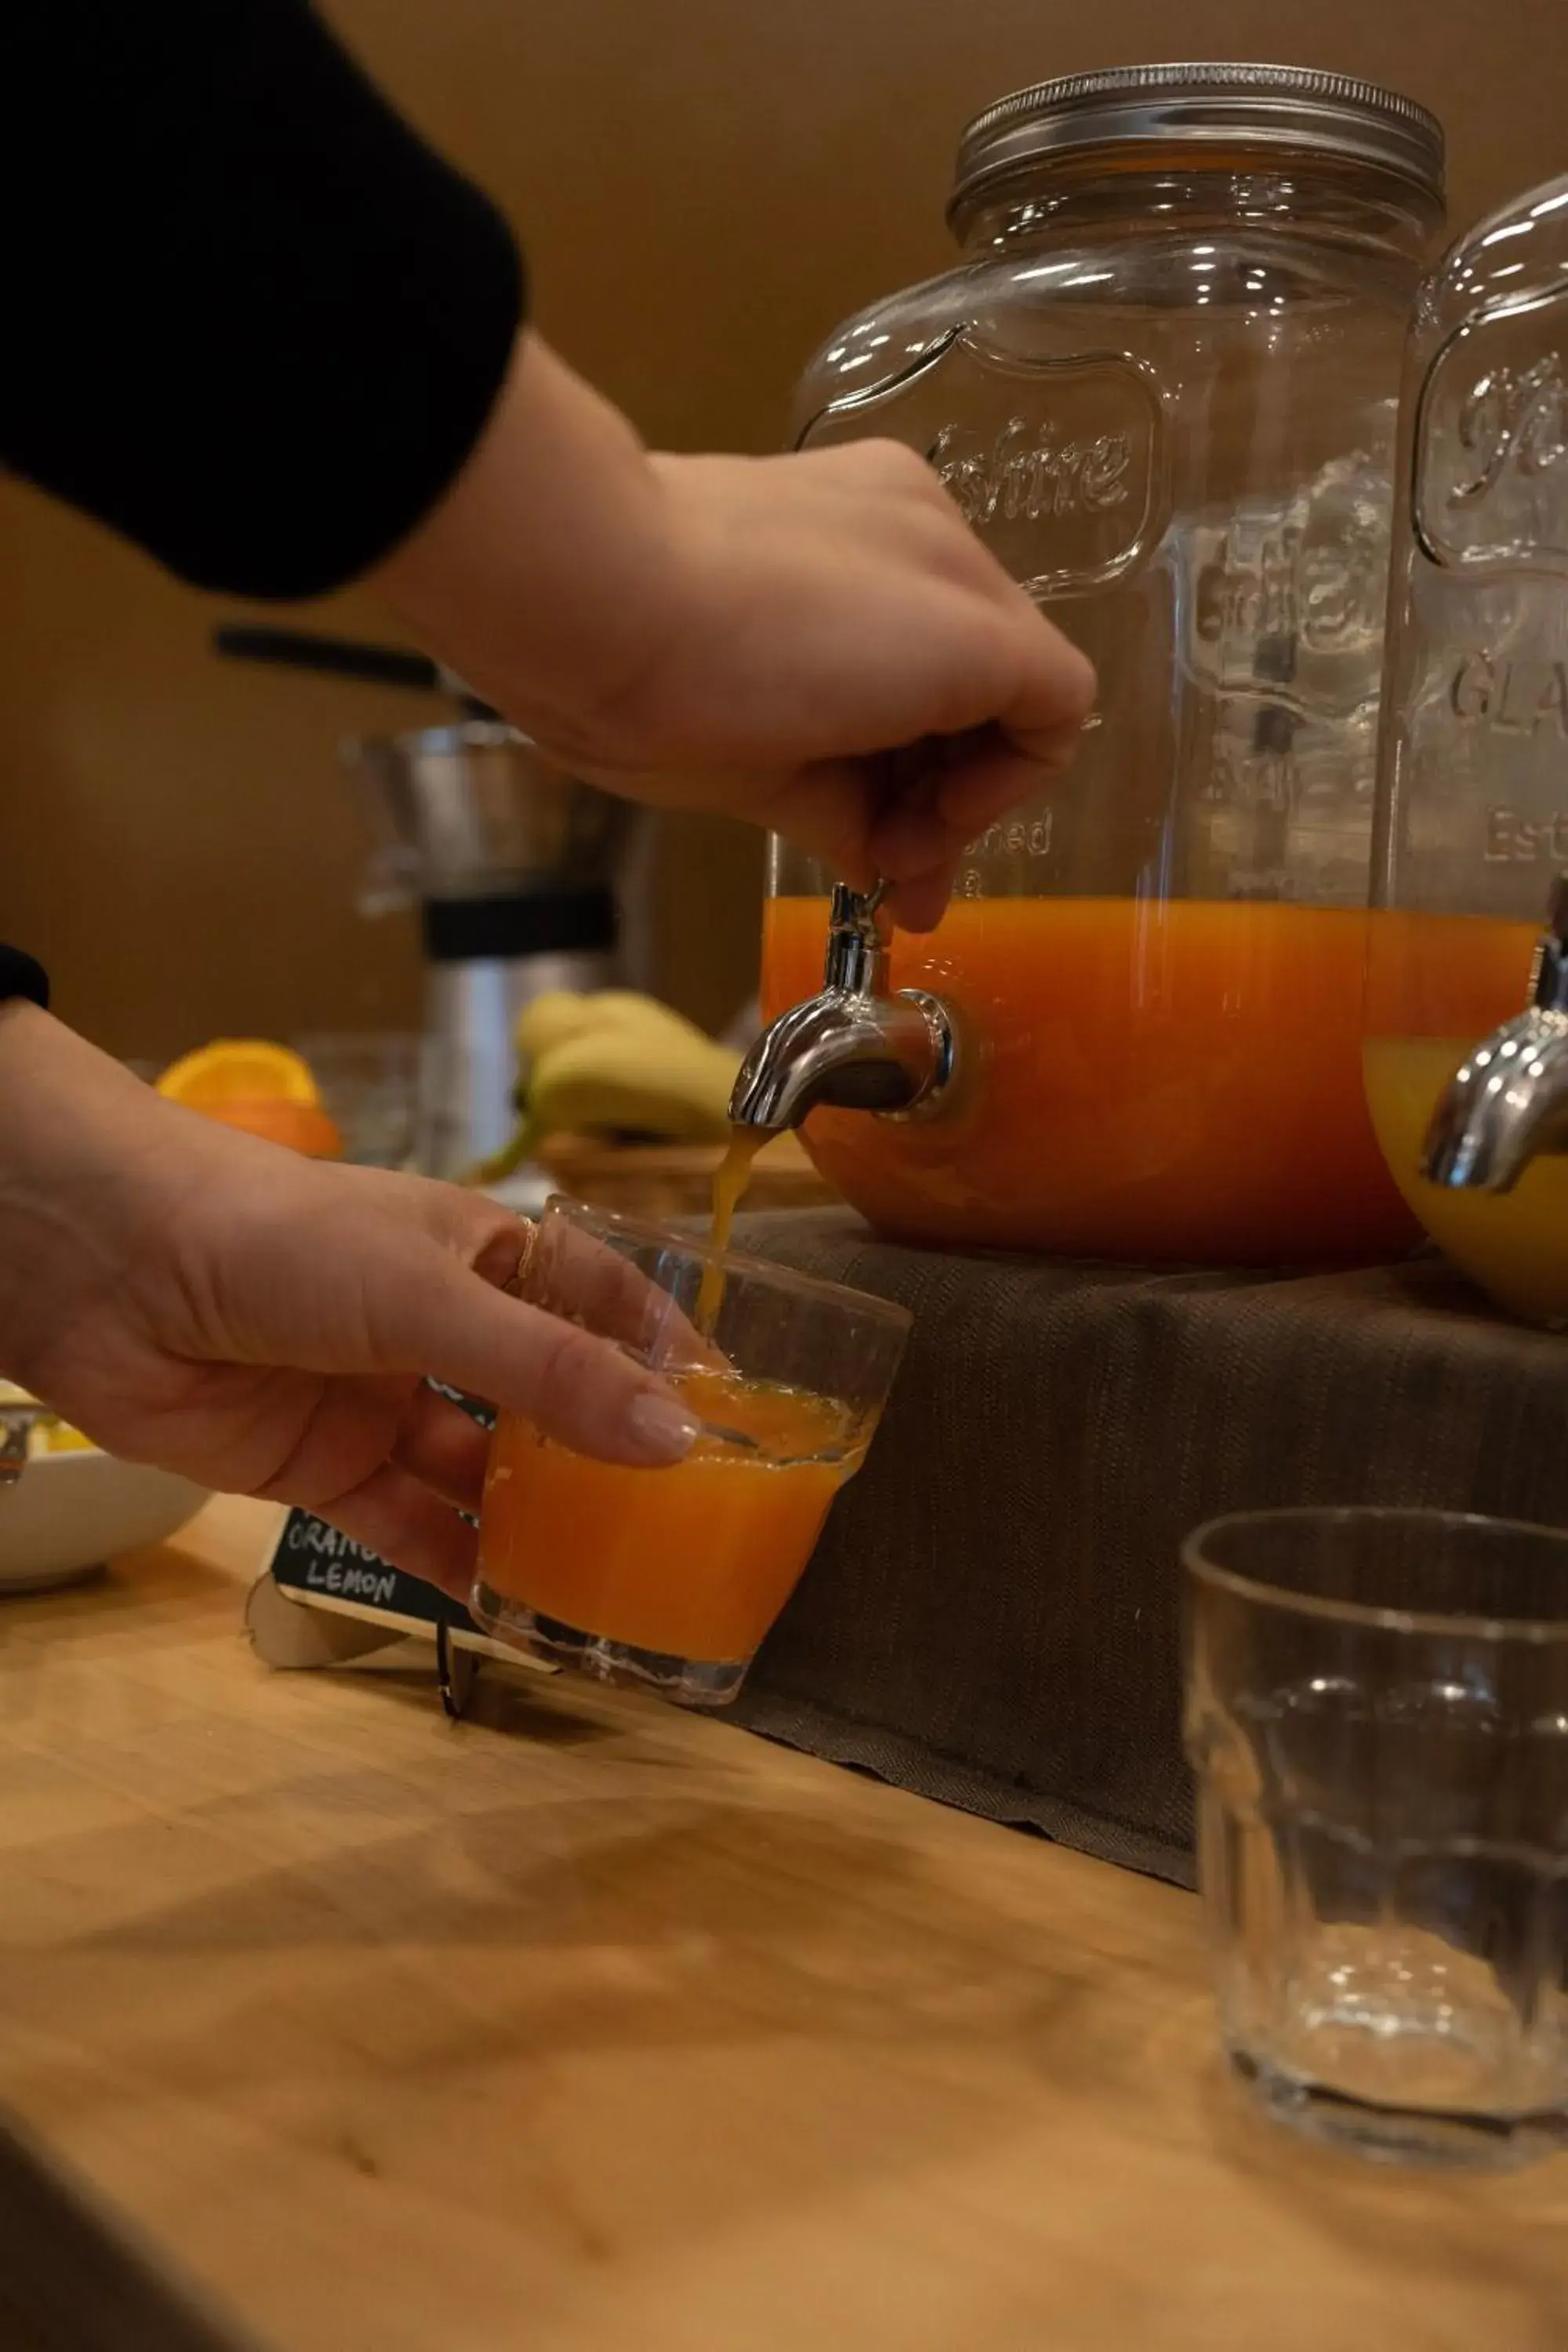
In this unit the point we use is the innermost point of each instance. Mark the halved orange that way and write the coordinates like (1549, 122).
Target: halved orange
(238, 1069)
(301, 1127)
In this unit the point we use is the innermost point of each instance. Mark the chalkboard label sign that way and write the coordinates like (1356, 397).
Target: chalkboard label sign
(328, 1568)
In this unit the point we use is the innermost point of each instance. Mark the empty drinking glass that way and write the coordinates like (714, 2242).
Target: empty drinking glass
(1377, 1713)
(369, 1083)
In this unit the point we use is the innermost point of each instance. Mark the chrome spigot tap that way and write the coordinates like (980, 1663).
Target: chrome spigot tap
(15, 1429)
(857, 1046)
(1507, 1101)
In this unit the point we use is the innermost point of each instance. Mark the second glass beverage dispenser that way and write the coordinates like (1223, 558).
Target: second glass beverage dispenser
(1467, 1053)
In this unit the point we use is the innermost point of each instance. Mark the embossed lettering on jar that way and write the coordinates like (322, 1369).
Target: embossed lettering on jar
(1162, 385)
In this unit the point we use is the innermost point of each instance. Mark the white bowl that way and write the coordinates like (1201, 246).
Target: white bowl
(68, 1513)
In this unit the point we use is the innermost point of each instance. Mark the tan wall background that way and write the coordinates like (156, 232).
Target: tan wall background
(704, 187)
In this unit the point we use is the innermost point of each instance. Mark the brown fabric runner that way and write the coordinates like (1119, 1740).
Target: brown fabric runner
(992, 1618)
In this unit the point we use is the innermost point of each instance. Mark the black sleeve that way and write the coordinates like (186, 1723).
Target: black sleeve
(20, 976)
(252, 321)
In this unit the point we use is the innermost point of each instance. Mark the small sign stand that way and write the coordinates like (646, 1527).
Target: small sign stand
(322, 1599)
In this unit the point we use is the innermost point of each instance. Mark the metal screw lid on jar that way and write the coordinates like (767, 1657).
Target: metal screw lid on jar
(1263, 106)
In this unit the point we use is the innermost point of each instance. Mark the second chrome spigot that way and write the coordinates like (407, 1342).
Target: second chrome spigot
(855, 1046)
(16, 1423)
(1508, 1102)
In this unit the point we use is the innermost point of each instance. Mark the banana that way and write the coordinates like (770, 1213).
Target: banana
(674, 1086)
(559, 1015)
(614, 1061)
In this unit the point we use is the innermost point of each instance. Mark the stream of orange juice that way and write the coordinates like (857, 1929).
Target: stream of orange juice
(1148, 1079)
(694, 1561)
(731, 1179)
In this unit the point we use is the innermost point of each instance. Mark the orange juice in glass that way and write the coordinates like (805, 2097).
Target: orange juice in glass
(671, 1577)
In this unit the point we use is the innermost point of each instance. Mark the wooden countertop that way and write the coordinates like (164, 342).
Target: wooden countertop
(590, 2027)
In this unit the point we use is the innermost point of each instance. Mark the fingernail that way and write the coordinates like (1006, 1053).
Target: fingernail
(663, 1429)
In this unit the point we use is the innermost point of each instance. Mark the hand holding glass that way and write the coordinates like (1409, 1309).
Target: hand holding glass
(671, 1577)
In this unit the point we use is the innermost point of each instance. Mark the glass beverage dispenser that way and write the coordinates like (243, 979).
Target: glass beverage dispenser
(1473, 802)
(1161, 384)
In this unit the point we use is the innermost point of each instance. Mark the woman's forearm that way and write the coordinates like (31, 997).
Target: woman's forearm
(83, 1182)
(547, 575)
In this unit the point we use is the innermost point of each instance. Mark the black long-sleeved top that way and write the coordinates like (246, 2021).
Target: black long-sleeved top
(250, 320)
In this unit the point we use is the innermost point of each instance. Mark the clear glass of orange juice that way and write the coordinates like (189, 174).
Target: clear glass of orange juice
(671, 1578)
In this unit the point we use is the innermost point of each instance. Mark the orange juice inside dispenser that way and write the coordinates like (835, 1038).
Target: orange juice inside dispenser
(1148, 1079)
